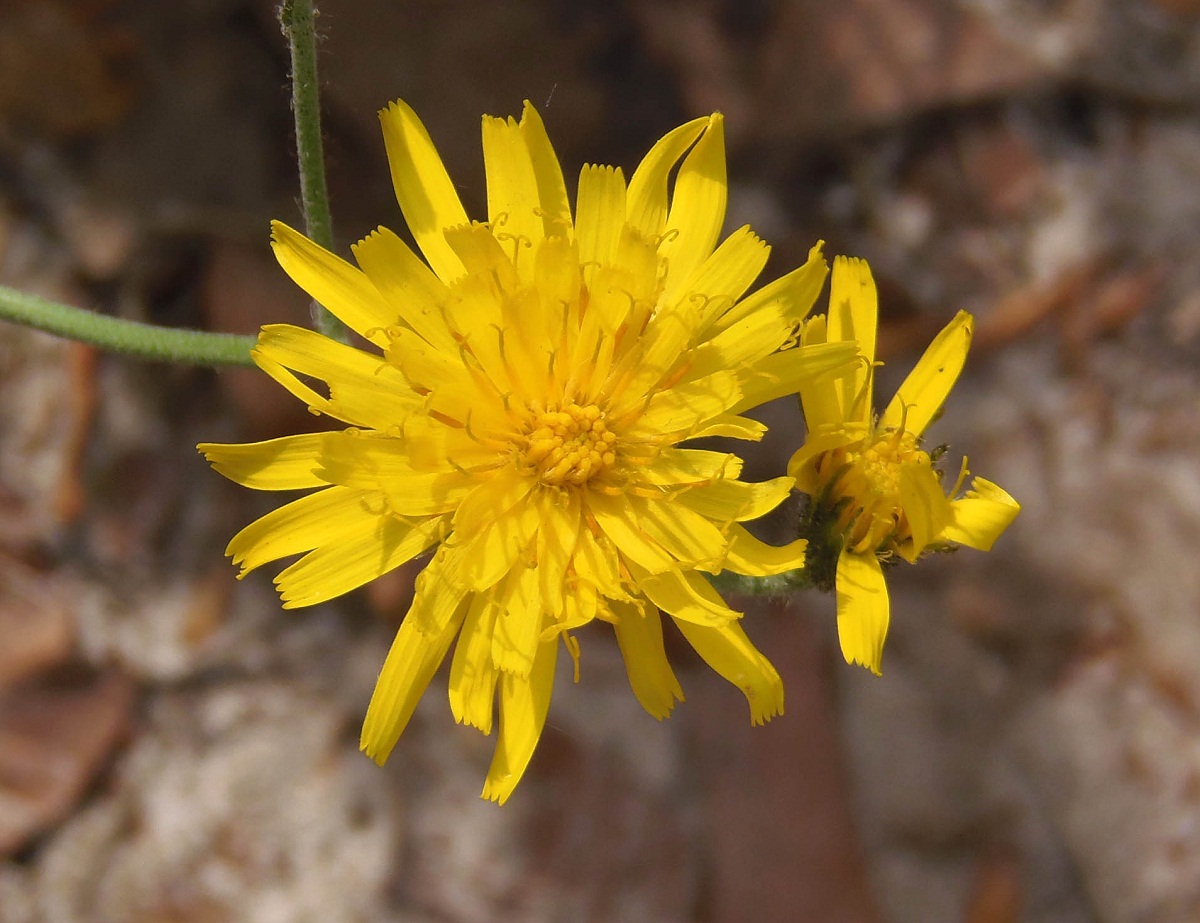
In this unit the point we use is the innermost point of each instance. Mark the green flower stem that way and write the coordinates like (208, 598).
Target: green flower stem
(166, 344)
(779, 585)
(296, 17)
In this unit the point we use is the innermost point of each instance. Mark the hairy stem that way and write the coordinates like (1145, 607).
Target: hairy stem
(296, 17)
(779, 585)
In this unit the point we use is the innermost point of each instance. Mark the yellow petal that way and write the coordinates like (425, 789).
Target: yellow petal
(321, 518)
(749, 340)
(599, 216)
(736, 501)
(363, 389)
(747, 555)
(682, 409)
(820, 398)
(557, 535)
(287, 463)
(514, 207)
(647, 203)
(637, 262)
(558, 278)
(617, 522)
(732, 426)
(853, 317)
(597, 563)
(431, 445)
(979, 518)
(726, 274)
(491, 500)
(729, 652)
(344, 290)
(580, 606)
(421, 494)
(688, 466)
(459, 394)
(686, 596)
(410, 665)
(801, 465)
(369, 463)
(784, 373)
(524, 703)
(414, 295)
(483, 258)
(791, 296)
(640, 637)
(397, 454)
(925, 505)
(863, 610)
(487, 554)
(697, 209)
(677, 325)
(473, 676)
(519, 622)
(424, 189)
(666, 339)
(439, 591)
(355, 559)
(552, 190)
(928, 384)
(426, 367)
(685, 535)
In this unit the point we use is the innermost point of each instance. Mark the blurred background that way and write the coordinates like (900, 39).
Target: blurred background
(176, 749)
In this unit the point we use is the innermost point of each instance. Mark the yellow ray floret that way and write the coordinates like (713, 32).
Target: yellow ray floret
(875, 494)
(519, 415)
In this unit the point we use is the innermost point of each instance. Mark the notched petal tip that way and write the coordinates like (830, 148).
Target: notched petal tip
(763, 710)
(876, 669)
(396, 107)
(731, 654)
(498, 790)
(367, 747)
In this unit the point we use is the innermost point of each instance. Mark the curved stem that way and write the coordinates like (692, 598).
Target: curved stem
(296, 17)
(165, 344)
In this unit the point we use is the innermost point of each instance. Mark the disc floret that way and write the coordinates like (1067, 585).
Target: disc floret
(567, 444)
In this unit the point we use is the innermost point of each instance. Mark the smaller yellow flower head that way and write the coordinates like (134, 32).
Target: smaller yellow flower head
(874, 493)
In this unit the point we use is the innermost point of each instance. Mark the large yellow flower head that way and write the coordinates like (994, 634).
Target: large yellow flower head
(521, 416)
(875, 493)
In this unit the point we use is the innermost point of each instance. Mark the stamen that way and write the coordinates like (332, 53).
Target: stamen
(963, 474)
(444, 418)
(557, 221)
(677, 375)
(571, 643)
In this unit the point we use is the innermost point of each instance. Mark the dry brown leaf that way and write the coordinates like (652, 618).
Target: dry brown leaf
(54, 737)
(35, 623)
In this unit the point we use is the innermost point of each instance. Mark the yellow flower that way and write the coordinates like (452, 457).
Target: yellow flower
(874, 493)
(521, 417)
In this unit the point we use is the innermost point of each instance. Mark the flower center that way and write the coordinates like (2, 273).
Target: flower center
(568, 444)
(866, 479)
